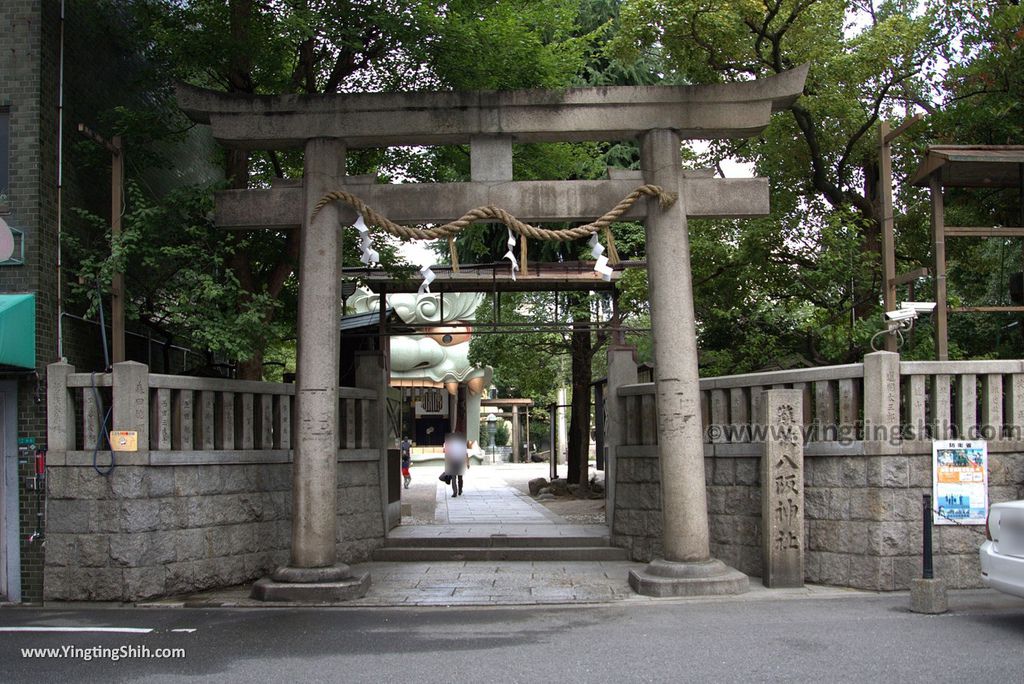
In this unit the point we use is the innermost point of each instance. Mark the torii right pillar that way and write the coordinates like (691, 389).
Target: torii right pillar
(687, 568)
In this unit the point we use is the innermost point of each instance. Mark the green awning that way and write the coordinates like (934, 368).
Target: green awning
(18, 330)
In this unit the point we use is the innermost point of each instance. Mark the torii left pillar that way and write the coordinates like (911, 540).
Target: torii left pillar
(314, 573)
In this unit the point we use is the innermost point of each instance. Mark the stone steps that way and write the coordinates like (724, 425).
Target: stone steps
(496, 541)
(498, 547)
(421, 554)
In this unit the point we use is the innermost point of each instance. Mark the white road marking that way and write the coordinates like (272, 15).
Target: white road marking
(117, 630)
(188, 630)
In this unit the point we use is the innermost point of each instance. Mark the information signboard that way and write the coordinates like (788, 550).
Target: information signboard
(960, 481)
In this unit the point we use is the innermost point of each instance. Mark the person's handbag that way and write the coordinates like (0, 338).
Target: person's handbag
(445, 477)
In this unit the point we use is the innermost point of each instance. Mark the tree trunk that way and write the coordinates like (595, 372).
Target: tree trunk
(579, 421)
(251, 368)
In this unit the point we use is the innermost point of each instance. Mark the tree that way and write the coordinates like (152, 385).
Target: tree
(279, 47)
(983, 103)
(315, 46)
(581, 339)
(175, 279)
(501, 434)
(532, 364)
(809, 272)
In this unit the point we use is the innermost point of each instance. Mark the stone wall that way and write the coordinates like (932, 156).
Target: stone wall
(864, 520)
(862, 524)
(636, 525)
(734, 507)
(734, 512)
(149, 531)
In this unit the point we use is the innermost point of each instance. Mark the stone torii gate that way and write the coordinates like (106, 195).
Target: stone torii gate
(326, 126)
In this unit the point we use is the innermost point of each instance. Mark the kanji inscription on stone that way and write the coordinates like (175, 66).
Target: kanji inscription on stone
(782, 478)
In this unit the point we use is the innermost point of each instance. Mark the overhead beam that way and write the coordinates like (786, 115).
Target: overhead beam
(280, 208)
(726, 110)
(985, 231)
(986, 309)
(560, 276)
(910, 276)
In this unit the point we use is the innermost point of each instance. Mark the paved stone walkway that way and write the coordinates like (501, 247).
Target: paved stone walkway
(480, 583)
(488, 499)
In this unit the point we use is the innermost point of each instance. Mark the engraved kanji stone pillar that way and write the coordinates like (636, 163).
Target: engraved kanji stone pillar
(782, 489)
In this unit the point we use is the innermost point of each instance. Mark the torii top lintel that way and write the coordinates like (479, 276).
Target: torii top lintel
(732, 110)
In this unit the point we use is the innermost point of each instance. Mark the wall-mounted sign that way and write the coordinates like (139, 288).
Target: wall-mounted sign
(124, 440)
(960, 482)
(12, 245)
(432, 402)
(6, 241)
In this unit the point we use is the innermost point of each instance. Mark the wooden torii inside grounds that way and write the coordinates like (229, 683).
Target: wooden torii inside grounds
(326, 126)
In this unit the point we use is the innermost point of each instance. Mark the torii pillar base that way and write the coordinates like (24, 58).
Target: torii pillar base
(312, 585)
(702, 578)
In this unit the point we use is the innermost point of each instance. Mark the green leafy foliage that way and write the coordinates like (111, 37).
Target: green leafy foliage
(803, 286)
(172, 258)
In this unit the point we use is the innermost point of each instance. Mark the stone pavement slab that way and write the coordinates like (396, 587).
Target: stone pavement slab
(488, 498)
(509, 583)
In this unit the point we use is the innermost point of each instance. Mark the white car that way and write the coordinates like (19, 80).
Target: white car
(1002, 556)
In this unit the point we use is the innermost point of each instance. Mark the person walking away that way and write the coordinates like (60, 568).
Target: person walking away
(406, 447)
(456, 459)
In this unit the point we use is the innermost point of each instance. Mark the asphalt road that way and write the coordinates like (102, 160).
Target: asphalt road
(862, 639)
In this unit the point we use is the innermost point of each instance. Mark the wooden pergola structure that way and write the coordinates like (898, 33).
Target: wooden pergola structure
(974, 167)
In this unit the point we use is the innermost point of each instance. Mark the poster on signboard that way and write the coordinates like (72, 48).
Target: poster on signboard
(960, 482)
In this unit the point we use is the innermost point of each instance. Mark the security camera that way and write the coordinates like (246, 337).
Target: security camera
(919, 307)
(901, 315)
(902, 319)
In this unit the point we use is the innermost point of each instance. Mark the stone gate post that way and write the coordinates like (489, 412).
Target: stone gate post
(371, 374)
(621, 371)
(130, 409)
(782, 489)
(313, 572)
(687, 568)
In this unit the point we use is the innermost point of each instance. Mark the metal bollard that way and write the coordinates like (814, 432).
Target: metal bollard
(928, 594)
(927, 569)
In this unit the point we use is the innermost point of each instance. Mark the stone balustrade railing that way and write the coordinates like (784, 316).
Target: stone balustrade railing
(883, 401)
(963, 399)
(189, 420)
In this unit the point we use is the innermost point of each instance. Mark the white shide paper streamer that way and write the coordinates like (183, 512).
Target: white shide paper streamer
(368, 255)
(428, 277)
(510, 255)
(597, 251)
